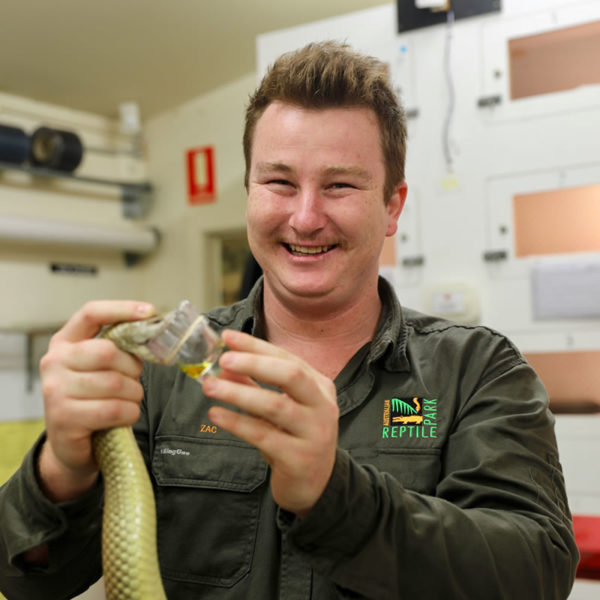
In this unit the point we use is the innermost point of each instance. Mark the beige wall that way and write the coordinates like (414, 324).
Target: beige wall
(32, 296)
(180, 268)
(184, 267)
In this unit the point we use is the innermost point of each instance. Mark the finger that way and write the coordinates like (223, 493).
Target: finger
(295, 377)
(284, 370)
(105, 384)
(260, 434)
(233, 376)
(88, 321)
(244, 342)
(93, 415)
(100, 354)
(269, 405)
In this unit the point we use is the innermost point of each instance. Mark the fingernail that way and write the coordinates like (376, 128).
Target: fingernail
(227, 360)
(215, 415)
(209, 385)
(145, 310)
(230, 335)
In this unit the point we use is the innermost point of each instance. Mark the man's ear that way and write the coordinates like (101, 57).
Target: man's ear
(394, 207)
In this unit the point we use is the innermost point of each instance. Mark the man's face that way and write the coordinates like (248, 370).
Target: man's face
(316, 214)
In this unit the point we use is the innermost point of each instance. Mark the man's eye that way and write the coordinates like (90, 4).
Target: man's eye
(279, 182)
(341, 185)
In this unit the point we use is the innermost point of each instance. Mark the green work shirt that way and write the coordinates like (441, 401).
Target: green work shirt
(447, 484)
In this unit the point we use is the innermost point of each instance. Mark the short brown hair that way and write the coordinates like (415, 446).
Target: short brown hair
(331, 75)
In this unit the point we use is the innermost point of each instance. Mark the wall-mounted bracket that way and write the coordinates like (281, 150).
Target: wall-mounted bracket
(136, 200)
(495, 255)
(413, 261)
(488, 101)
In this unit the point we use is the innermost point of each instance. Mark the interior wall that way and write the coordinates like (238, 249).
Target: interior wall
(184, 267)
(35, 297)
(36, 300)
(471, 150)
(457, 211)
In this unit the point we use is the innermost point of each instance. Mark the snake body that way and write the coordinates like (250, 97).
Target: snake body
(129, 552)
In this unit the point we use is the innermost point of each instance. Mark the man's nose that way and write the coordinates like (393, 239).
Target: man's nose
(308, 213)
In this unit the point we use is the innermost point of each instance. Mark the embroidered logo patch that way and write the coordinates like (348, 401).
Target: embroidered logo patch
(409, 417)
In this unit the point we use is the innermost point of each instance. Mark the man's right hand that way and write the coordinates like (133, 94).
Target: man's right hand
(88, 384)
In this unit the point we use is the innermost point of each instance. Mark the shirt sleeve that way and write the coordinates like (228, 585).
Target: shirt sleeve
(498, 525)
(71, 529)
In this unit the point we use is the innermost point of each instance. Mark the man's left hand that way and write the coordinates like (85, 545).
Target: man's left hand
(295, 428)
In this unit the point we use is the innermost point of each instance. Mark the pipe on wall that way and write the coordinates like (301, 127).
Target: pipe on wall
(31, 231)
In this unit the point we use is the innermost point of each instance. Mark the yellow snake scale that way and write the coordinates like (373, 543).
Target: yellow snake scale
(129, 552)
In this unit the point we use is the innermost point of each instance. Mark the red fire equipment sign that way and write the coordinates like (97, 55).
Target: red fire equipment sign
(201, 175)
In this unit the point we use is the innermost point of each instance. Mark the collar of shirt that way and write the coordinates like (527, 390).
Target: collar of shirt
(388, 345)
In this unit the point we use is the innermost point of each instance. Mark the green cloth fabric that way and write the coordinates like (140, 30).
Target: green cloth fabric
(447, 484)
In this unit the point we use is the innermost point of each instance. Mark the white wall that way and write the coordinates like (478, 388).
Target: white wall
(516, 147)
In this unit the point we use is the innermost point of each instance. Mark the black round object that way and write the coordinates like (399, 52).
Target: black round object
(14, 145)
(55, 149)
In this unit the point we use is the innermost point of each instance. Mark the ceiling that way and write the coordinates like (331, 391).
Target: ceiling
(92, 56)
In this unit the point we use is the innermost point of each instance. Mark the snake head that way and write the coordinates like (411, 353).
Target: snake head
(134, 336)
(180, 336)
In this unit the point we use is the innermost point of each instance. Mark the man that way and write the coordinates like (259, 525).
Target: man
(357, 449)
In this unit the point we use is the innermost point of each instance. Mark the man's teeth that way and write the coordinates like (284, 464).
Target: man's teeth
(309, 249)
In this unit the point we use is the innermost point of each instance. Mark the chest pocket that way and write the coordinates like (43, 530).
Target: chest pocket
(208, 502)
(417, 470)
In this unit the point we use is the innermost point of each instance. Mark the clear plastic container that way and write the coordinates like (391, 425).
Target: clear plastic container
(186, 339)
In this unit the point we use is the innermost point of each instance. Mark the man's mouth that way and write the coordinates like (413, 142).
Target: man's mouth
(308, 250)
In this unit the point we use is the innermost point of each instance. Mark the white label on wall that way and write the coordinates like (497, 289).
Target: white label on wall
(448, 303)
(566, 289)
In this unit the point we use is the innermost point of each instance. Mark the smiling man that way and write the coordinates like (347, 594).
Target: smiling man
(317, 217)
(351, 447)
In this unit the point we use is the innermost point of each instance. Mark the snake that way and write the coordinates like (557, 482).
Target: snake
(129, 549)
